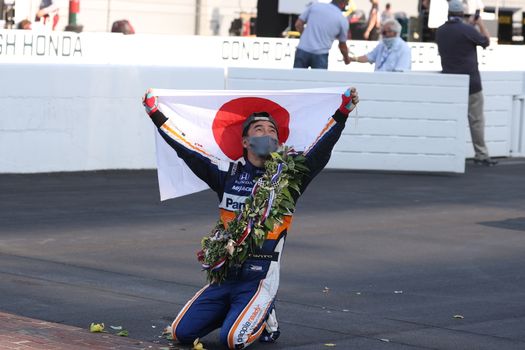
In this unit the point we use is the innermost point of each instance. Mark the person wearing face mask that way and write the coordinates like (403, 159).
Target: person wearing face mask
(392, 54)
(242, 306)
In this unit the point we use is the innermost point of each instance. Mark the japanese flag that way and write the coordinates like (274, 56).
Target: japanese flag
(211, 122)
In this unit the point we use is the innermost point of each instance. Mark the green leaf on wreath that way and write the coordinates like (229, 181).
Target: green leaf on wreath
(269, 223)
(294, 186)
(287, 194)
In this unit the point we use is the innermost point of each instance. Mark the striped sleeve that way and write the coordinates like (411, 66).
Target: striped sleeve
(318, 154)
(207, 167)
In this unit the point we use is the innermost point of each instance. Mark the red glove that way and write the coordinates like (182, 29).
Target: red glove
(150, 102)
(347, 104)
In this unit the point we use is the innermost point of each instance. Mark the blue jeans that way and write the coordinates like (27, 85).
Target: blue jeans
(305, 59)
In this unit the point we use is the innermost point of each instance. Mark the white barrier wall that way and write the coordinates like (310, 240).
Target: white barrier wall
(17, 46)
(79, 117)
(89, 117)
(410, 121)
(499, 92)
(72, 102)
(518, 125)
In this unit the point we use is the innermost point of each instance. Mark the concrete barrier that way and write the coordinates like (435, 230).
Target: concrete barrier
(84, 117)
(407, 121)
(501, 114)
(89, 117)
(72, 101)
(17, 46)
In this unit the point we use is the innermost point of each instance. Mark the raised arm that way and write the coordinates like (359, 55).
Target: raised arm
(318, 154)
(208, 168)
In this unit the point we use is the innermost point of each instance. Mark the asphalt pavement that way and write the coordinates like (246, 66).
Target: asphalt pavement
(373, 260)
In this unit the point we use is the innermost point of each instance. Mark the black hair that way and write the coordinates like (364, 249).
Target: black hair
(257, 116)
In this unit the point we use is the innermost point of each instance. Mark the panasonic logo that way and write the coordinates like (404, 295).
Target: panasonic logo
(232, 203)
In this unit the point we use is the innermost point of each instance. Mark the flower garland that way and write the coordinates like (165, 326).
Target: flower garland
(270, 200)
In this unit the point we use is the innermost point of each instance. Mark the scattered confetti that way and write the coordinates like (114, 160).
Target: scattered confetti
(331, 345)
(123, 333)
(326, 290)
(96, 327)
(398, 292)
(459, 317)
(385, 340)
(197, 345)
(153, 326)
(167, 330)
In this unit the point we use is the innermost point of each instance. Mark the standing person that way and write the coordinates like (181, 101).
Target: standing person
(242, 303)
(374, 24)
(392, 54)
(457, 42)
(387, 13)
(319, 26)
(48, 11)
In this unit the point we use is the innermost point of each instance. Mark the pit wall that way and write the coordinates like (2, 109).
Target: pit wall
(83, 112)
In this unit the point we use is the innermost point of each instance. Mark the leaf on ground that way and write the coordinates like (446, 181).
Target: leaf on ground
(123, 333)
(166, 330)
(96, 327)
(166, 333)
(197, 345)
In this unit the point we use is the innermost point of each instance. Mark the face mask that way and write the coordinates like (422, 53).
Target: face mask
(389, 42)
(263, 145)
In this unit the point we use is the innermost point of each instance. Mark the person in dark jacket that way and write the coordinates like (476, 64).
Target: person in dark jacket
(457, 44)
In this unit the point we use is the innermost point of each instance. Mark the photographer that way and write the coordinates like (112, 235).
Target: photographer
(457, 44)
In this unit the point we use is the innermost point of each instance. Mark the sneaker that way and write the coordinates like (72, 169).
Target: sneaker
(271, 331)
(485, 162)
(267, 337)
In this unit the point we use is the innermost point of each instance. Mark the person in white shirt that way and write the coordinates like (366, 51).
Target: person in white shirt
(320, 24)
(47, 14)
(392, 54)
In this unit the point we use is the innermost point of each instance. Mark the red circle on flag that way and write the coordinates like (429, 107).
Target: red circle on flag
(227, 125)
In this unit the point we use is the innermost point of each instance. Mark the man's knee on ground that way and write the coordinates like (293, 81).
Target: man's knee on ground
(239, 338)
(184, 335)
